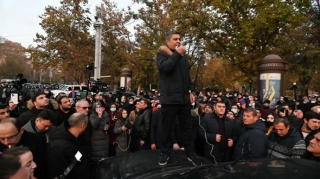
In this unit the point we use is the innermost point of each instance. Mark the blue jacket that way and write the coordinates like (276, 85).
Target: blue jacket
(254, 140)
(175, 80)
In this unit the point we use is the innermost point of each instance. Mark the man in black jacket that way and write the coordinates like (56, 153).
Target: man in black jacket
(12, 134)
(176, 96)
(141, 127)
(64, 145)
(253, 141)
(38, 103)
(218, 129)
(65, 109)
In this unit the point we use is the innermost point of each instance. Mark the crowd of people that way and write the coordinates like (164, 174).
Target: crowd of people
(45, 137)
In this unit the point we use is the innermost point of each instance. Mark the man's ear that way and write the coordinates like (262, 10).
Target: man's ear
(22, 130)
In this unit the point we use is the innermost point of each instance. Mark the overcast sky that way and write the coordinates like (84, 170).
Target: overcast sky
(19, 21)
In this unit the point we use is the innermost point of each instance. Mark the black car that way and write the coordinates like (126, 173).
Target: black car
(144, 164)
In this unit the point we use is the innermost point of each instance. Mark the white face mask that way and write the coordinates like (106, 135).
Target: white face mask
(113, 109)
(130, 102)
(193, 104)
(318, 110)
(235, 111)
(313, 102)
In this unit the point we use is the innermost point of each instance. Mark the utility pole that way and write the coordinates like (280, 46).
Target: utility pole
(97, 58)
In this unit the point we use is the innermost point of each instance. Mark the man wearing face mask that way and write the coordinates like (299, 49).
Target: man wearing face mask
(304, 104)
(238, 121)
(131, 106)
(266, 110)
(281, 100)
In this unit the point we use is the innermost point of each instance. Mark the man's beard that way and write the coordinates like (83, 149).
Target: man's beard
(66, 109)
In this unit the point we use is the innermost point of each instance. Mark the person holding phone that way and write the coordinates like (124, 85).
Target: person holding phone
(99, 120)
(121, 130)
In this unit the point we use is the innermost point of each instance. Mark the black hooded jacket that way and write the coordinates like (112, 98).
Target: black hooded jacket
(62, 149)
(253, 140)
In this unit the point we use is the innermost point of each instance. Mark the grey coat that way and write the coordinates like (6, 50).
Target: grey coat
(99, 138)
(121, 138)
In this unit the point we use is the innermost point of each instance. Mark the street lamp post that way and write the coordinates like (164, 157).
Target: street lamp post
(64, 79)
(97, 58)
(250, 83)
(294, 88)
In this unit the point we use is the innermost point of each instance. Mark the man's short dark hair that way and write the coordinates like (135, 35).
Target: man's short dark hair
(48, 114)
(60, 99)
(170, 33)
(291, 105)
(250, 109)
(311, 115)
(281, 120)
(235, 104)
(219, 102)
(34, 97)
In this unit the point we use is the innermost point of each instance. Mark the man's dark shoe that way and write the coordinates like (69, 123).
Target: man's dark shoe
(194, 160)
(163, 159)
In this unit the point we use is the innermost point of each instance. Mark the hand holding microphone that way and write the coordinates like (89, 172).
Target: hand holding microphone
(180, 49)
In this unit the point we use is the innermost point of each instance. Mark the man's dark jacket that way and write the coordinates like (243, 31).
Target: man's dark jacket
(62, 116)
(291, 145)
(38, 146)
(141, 125)
(156, 128)
(211, 126)
(175, 80)
(253, 140)
(238, 123)
(62, 149)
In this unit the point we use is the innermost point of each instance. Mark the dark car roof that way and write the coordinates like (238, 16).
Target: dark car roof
(144, 164)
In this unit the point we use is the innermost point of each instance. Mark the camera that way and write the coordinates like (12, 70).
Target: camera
(281, 108)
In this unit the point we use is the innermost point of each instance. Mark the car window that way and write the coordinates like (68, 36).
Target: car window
(77, 88)
(63, 87)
